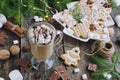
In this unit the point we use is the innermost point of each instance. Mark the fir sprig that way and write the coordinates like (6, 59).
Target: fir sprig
(113, 4)
(104, 66)
(76, 13)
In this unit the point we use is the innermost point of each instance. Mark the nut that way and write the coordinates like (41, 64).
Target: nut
(4, 54)
(15, 50)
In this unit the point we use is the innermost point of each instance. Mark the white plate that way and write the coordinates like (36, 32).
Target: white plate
(69, 32)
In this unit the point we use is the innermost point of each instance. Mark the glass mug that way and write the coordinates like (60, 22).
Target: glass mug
(41, 52)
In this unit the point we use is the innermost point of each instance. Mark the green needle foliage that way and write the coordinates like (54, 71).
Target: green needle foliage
(113, 4)
(16, 10)
(76, 13)
(59, 4)
(105, 67)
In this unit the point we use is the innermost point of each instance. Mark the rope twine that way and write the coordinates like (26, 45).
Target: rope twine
(93, 52)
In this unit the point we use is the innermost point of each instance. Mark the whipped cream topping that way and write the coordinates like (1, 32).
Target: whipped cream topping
(41, 34)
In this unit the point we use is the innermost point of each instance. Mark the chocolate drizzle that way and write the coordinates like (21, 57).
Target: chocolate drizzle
(34, 31)
(42, 35)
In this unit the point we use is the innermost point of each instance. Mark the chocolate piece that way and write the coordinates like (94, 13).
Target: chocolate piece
(27, 68)
(36, 75)
(22, 62)
(54, 76)
(3, 35)
(92, 67)
(3, 41)
(62, 72)
(26, 48)
(107, 5)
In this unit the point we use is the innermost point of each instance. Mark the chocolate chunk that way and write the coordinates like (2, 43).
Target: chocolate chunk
(22, 62)
(3, 35)
(26, 48)
(107, 5)
(27, 68)
(3, 41)
(62, 72)
(92, 67)
(36, 75)
(54, 76)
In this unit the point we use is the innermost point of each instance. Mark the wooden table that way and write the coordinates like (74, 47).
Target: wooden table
(7, 65)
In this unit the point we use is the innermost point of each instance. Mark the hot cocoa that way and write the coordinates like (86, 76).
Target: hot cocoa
(41, 40)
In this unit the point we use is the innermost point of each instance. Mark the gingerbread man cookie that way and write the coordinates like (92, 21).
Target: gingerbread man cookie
(71, 57)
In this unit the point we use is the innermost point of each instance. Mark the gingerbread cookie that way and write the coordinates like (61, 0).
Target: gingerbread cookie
(71, 57)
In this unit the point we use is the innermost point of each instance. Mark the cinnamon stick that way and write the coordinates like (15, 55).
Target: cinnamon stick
(15, 29)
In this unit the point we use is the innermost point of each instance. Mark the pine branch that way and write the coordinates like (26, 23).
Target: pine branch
(99, 61)
(113, 4)
(111, 69)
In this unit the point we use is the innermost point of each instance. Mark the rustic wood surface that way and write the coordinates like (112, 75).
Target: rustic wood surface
(7, 65)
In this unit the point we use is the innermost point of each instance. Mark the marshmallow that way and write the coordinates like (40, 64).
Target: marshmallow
(15, 42)
(84, 77)
(45, 26)
(3, 19)
(117, 19)
(15, 75)
(105, 75)
(117, 2)
(37, 19)
(2, 78)
(1, 25)
(109, 76)
(76, 70)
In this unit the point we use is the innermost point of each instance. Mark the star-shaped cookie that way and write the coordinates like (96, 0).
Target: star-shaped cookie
(71, 57)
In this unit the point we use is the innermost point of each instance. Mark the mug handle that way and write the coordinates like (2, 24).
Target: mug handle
(59, 36)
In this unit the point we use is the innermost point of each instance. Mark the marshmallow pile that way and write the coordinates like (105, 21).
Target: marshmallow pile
(108, 76)
(41, 34)
(3, 20)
